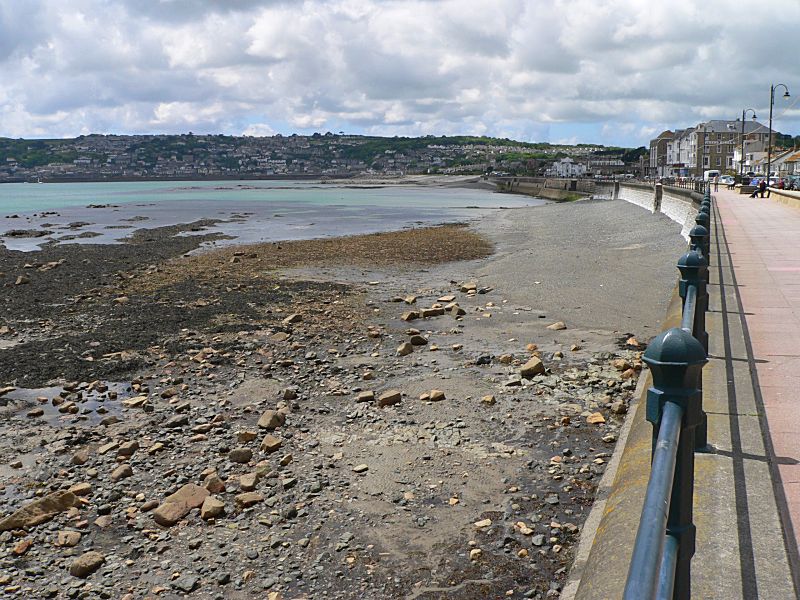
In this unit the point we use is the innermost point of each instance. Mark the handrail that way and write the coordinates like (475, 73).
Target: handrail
(660, 566)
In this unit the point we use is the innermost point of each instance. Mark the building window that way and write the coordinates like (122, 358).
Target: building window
(706, 161)
(719, 161)
(730, 162)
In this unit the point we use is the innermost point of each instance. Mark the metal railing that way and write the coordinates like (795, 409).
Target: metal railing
(665, 541)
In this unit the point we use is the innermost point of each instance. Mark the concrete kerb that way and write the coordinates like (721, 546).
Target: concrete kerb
(606, 544)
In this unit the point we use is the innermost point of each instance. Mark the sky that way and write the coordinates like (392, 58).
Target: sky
(613, 72)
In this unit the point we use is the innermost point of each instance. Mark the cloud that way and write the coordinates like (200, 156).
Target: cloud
(616, 70)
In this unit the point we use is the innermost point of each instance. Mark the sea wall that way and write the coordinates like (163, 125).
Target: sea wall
(678, 204)
(546, 187)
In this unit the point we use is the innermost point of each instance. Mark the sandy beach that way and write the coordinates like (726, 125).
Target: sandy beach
(414, 415)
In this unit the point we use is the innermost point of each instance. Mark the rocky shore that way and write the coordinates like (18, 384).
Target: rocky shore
(413, 415)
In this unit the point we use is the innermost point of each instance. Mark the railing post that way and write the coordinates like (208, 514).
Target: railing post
(698, 239)
(676, 364)
(694, 273)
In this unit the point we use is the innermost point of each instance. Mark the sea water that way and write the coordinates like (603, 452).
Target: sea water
(244, 211)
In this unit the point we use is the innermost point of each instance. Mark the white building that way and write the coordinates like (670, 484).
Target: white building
(566, 167)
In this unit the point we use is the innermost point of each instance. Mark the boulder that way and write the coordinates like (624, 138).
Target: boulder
(39, 511)
(532, 368)
(86, 564)
(212, 508)
(177, 505)
(389, 398)
(271, 419)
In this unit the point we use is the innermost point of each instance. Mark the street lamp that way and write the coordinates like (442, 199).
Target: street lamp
(741, 158)
(772, 89)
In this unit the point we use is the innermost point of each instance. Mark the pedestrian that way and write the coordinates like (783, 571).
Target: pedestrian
(716, 183)
(762, 186)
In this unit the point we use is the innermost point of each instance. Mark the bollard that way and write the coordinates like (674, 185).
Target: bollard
(665, 541)
(693, 286)
(698, 239)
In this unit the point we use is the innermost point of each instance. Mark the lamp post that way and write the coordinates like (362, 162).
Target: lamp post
(772, 89)
(741, 157)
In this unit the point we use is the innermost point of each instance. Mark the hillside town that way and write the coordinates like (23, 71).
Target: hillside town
(189, 156)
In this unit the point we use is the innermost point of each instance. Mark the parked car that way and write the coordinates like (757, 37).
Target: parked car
(727, 180)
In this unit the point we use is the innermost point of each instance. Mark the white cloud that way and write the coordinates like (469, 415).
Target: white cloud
(504, 67)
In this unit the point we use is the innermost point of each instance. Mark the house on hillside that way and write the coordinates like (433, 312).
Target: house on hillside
(566, 167)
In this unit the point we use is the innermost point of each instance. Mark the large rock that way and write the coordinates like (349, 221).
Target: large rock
(177, 505)
(271, 419)
(39, 511)
(532, 368)
(212, 508)
(86, 564)
(270, 443)
(390, 398)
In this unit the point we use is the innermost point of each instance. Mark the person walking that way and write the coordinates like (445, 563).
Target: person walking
(716, 183)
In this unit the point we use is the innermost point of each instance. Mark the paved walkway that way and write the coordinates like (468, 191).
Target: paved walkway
(760, 279)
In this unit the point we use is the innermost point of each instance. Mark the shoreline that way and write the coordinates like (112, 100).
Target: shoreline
(399, 497)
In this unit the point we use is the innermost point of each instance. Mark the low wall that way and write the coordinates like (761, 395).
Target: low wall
(545, 187)
(787, 197)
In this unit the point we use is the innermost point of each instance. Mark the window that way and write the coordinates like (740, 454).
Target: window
(730, 162)
(719, 161)
(706, 161)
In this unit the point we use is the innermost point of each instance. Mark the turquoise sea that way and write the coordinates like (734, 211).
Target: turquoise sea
(248, 211)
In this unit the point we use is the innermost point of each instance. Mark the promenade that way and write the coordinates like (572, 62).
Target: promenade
(747, 485)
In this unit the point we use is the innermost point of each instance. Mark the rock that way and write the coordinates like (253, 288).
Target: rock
(455, 310)
(39, 511)
(505, 359)
(389, 398)
(410, 299)
(532, 368)
(68, 539)
(620, 364)
(418, 340)
(595, 419)
(538, 540)
(410, 315)
(436, 395)
(483, 523)
(360, 469)
(187, 583)
(270, 444)
(121, 472)
(404, 349)
(289, 393)
(475, 553)
(240, 455)
(177, 505)
(246, 436)
(271, 419)
(106, 448)
(446, 298)
(22, 280)
(177, 421)
(22, 546)
(365, 396)
(35, 412)
(557, 326)
(86, 564)
(128, 448)
(135, 402)
(81, 489)
(292, 319)
(214, 484)
(468, 287)
(212, 508)
(248, 481)
(619, 408)
(426, 313)
(248, 499)
(489, 399)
